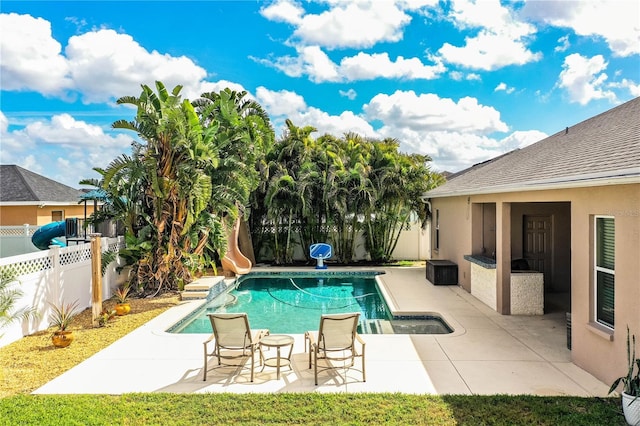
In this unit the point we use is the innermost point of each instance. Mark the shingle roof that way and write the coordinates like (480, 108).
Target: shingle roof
(21, 185)
(606, 146)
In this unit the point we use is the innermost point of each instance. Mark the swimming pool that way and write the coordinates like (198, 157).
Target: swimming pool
(293, 302)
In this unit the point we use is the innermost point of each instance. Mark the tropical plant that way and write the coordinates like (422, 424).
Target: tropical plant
(106, 258)
(630, 381)
(176, 189)
(105, 316)
(122, 294)
(10, 294)
(399, 181)
(330, 189)
(242, 136)
(63, 314)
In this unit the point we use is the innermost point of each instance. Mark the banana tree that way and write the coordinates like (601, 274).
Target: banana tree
(243, 136)
(177, 153)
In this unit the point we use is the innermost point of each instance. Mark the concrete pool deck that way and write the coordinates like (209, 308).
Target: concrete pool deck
(487, 354)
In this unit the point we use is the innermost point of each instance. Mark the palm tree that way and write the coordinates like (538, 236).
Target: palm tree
(399, 181)
(9, 296)
(353, 197)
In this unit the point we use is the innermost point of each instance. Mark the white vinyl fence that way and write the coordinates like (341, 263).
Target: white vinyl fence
(15, 240)
(55, 276)
(413, 244)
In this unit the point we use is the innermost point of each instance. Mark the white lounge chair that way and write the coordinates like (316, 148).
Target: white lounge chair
(335, 343)
(233, 339)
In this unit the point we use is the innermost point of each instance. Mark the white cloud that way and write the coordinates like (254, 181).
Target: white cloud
(4, 123)
(454, 151)
(583, 79)
(194, 91)
(284, 104)
(31, 58)
(65, 130)
(563, 44)
(450, 150)
(316, 64)
(106, 64)
(502, 87)
(349, 94)
(521, 139)
(62, 144)
(377, 21)
(615, 21)
(501, 40)
(366, 66)
(337, 125)
(280, 103)
(311, 61)
(633, 88)
(488, 51)
(429, 113)
(283, 11)
(101, 65)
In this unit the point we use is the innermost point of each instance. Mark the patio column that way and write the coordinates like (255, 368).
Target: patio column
(503, 258)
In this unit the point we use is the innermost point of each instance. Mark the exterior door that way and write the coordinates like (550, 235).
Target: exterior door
(537, 246)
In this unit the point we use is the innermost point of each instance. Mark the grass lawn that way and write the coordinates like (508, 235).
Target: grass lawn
(307, 409)
(31, 362)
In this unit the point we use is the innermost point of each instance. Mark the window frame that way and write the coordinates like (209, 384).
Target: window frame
(596, 269)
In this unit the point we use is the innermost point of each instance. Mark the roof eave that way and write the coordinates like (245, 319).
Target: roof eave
(38, 203)
(574, 182)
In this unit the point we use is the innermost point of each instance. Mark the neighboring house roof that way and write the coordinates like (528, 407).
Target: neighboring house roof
(19, 186)
(602, 150)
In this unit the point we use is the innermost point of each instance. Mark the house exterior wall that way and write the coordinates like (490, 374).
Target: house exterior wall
(35, 215)
(595, 349)
(598, 350)
(454, 226)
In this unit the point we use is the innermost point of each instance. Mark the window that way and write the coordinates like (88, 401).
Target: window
(604, 270)
(57, 215)
(437, 245)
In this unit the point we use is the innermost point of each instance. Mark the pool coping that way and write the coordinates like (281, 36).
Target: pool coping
(227, 285)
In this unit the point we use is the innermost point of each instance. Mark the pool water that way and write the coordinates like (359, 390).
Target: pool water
(293, 304)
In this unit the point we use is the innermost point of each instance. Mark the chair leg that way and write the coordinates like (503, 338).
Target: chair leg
(315, 366)
(364, 376)
(204, 375)
(252, 363)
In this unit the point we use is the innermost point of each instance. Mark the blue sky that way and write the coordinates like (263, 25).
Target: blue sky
(460, 81)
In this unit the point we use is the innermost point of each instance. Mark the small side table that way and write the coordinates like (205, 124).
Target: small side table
(277, 341)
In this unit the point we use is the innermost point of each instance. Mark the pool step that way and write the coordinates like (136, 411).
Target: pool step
(376, 326)
(199, 289)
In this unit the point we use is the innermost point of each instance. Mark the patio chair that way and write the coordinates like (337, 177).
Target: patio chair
(233, 339)
(335, 343)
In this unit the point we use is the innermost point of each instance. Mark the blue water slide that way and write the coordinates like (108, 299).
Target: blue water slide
(46, 235)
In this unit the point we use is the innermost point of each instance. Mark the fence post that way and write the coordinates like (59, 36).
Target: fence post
(96, 278)
(56, 271)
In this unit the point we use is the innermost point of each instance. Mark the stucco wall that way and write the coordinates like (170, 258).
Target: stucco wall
(35, 215)
(484, 285)
(455, 239)
(599, 351)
